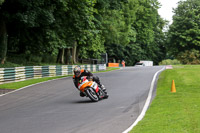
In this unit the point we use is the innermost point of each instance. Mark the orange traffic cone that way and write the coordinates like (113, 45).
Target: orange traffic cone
(173, 89)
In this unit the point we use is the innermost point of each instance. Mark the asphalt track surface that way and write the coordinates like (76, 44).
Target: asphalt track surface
(56, 107)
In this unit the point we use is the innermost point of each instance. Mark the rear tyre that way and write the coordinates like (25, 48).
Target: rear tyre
(92, 95)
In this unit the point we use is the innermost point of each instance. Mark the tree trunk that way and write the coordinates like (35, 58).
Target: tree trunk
(63, 56)
(68, 56)
(3, 41)
(60, 58)
(77, 53)
(74, 52)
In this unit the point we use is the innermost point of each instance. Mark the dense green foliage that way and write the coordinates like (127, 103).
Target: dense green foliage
(184, 32)
(170, 62)
(1, 1)
(189, 56)
(67, 30)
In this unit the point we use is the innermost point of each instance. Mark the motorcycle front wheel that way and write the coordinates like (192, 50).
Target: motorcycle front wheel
(92, 94)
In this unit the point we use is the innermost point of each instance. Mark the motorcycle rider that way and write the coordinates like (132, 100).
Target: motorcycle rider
(78, 73)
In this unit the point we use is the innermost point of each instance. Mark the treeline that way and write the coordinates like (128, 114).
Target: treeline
(183, 38)
(40, 30)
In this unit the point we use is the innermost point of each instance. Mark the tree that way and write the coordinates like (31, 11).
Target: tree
(27, 23)
(117, 30)
(3, 40)
(133, 30)
(159, 45)
(3, 36)
(184, 32)
(72, 29)
(80, 25)
(1, 1)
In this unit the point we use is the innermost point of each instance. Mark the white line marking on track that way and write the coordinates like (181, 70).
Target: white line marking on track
(29, 86)
(140, 117)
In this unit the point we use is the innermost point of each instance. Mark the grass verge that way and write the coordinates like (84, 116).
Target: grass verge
(174, 112)
(20, 84)
(17, 85)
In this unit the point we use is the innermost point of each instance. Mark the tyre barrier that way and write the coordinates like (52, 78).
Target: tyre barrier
(32, 72)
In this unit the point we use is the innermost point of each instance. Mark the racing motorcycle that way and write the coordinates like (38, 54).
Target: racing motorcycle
(91, 89)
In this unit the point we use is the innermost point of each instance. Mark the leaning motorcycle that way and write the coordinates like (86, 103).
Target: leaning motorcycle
(91, 89)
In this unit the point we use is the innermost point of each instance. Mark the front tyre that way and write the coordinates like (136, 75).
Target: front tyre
(106, 96)
(92, 94)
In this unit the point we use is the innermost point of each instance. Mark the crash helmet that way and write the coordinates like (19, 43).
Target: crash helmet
(77, 71)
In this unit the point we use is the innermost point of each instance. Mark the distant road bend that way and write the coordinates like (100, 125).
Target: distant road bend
(56, 107)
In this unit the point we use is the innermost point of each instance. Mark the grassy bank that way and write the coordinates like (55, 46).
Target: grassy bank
(174, 112)
(17, 85)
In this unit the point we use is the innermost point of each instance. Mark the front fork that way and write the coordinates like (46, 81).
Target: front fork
(101, 93)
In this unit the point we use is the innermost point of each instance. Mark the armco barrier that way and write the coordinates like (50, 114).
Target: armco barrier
(32, 72)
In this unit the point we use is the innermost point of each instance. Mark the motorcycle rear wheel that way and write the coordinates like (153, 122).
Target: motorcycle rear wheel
(92, 95)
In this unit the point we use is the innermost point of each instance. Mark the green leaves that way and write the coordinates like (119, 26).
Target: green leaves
(1, 1)
(185, 30)
(189, 56)
(125, 29)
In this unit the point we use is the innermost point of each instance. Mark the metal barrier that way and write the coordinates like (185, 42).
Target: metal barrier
(32, 72)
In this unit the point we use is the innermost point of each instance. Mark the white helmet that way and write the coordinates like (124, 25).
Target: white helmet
(77, 71)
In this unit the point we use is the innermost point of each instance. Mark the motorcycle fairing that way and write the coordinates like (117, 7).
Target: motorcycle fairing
(84, 83)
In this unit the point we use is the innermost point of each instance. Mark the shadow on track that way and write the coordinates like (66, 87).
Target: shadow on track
(84, 101)
(81, 101)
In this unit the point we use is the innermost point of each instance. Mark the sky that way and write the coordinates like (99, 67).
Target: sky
(166, 9)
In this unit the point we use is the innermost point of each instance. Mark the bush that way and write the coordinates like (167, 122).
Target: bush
(17, 59)
(189, 57)
(170, 62)
(47, 58)
(9, 64)
(35, 58)
(23, 59)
